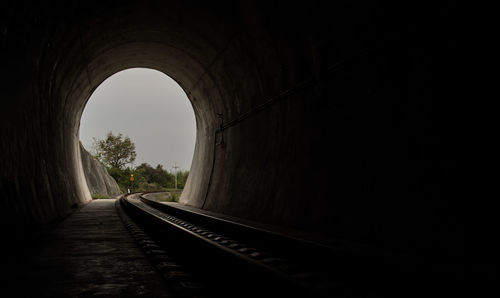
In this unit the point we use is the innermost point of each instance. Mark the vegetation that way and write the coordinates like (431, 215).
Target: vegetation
(175, 195)
(147, 178)
(98, 196)
(170, 195)
(158, 178)
(115, 152)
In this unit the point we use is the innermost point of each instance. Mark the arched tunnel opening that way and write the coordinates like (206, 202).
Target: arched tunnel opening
(338, 120)
(151, 110)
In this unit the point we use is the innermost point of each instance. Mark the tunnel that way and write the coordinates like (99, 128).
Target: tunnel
(343, 120)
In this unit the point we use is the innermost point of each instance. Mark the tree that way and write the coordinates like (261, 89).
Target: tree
(115, 151)
(156, 175)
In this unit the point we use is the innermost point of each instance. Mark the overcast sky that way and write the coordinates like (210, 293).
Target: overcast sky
(150, 108)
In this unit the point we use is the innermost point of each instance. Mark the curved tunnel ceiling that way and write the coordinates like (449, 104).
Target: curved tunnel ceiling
(329, 117)
(185, 56)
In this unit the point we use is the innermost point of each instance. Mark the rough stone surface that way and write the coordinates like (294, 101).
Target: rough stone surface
(96, 175)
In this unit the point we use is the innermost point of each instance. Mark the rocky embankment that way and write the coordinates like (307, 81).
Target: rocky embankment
(98, 180)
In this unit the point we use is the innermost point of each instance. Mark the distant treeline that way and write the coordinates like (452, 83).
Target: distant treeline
(118, 151)
(147, 178)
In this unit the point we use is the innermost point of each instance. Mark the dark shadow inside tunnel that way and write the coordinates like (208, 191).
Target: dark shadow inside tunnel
(364, 102)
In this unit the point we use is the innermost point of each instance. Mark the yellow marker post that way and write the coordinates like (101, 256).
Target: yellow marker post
(132, 182)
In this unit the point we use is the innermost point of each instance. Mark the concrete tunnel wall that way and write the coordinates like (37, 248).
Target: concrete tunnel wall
(339, 119)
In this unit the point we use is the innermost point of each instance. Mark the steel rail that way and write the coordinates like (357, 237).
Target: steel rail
(250, 253)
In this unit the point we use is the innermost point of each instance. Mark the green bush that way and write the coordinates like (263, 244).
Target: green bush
(98, 196)
(147, 178)
(175, 196)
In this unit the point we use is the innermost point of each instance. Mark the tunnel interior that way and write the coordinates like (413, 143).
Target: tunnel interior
(341, 120)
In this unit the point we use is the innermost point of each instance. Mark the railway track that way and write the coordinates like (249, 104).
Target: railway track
(213, 257)
(205, 256)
